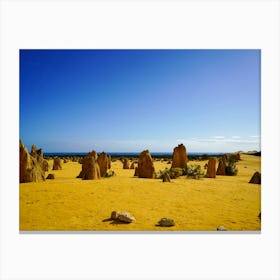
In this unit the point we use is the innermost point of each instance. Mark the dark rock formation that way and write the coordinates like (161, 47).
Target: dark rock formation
(211, 168)
(146, 167)
(256, 178)
(179, 158)
(222, 166)
(51, 176)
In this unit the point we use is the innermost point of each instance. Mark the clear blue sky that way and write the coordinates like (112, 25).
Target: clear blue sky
(130, 100)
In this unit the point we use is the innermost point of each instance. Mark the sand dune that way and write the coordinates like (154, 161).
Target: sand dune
(69, 203)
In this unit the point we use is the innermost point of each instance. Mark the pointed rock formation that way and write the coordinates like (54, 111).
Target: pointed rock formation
(38, 155)
(30, 169)
(93, 154)
(146, 167)
(132, 166)
(179, 158)
(211, 168)
(256, 178)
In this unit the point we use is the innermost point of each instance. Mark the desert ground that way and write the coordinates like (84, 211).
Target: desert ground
(70, 203)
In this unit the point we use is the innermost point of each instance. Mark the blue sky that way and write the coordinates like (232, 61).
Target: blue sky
(130, 100)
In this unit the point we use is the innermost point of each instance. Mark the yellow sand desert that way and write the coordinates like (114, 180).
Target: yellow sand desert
(69, 203)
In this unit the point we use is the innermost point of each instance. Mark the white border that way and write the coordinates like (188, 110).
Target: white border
(139, 24)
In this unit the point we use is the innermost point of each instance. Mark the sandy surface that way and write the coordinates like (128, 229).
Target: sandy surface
(68, 203)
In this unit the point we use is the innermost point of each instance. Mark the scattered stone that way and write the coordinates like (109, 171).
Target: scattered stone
(256, 178)
(179, 158)
(166, 177)
(125, 163)
(166, 222)
(146, 167)
(211, 168)
(57, 164)
(221, 228)
(51, 176)
(124, 217)
(30, 169)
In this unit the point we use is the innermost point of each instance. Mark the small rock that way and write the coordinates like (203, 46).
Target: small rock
(166, 222)
(256, 178)
(221, 228)
(122, 217)
(51, 176)
(260, 215)
(114, 215)
(126, 217)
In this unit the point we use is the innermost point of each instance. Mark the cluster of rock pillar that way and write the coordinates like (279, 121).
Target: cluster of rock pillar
(32, 166)
(94, 167)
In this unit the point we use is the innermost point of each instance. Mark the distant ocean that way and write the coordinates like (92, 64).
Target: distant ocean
(132, 154)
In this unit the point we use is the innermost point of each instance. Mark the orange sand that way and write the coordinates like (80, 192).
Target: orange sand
(68, 203)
